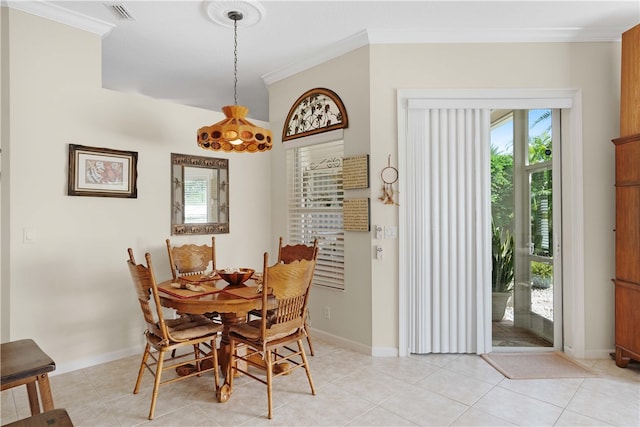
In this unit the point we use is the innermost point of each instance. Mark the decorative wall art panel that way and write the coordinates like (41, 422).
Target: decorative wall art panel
(355, 214)
(317, 110)
(355, 172)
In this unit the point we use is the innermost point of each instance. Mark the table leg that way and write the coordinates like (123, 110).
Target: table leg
(277, 368)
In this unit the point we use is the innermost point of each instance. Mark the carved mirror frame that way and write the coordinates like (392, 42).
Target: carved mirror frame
(204, 208)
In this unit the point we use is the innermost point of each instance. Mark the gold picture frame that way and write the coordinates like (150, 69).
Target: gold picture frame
(102, 172)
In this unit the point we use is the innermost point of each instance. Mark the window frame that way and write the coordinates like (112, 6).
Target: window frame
(317, 212)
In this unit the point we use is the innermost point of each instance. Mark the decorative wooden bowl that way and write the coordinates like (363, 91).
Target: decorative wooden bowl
(238, 277)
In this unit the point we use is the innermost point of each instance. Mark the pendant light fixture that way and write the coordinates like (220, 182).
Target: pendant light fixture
(235, 132)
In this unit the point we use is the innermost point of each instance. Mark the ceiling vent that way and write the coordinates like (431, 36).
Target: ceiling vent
(120, 11)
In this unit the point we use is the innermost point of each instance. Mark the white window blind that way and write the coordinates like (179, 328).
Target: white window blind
(315, 195)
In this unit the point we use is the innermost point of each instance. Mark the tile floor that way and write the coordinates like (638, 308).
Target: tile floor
(352, 390)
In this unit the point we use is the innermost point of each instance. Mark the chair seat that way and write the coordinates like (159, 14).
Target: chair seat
(55, 417)
(24, 363)
(251, 330)
(22, 359)
(191, 327)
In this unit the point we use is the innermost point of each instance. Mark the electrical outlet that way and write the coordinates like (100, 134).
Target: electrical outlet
(391, 232)
(327, 312)
(379, 232)
(378, 252)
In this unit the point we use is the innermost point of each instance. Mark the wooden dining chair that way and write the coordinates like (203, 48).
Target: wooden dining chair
(297, 252)
(190, 259)
(196, 333)
(272, 337)
(288, 254)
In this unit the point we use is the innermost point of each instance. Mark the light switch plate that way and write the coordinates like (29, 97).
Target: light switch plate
(28, 235)
(379, 232)
(378, 252)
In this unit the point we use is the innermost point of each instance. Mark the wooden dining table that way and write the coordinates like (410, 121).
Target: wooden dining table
(231, 302)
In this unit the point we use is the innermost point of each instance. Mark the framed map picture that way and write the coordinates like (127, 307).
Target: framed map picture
(102, 172)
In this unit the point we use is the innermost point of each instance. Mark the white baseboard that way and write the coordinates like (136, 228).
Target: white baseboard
(590, 354)
(385, 352)
(92, 361)
(599, 354)
(355, 346)
(137, 350)
(343, 342)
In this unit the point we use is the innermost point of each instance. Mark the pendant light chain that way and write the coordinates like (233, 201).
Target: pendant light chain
(235, 60)
(235, 132)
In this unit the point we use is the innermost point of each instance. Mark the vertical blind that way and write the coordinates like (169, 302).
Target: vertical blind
(315, 195)
(447, 218)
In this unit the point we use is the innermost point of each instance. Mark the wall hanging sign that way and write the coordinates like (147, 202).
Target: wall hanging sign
(102, 172)
(355, 172)
(355, 214)
(389, 176)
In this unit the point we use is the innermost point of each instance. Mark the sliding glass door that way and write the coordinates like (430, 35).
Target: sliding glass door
(525, 155)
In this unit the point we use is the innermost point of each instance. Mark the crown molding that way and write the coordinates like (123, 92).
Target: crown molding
(335, 50)
(59, 14)
(497, 35)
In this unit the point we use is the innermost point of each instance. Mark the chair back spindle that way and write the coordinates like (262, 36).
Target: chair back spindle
(145, 283)
(289, 284)
(290, 253)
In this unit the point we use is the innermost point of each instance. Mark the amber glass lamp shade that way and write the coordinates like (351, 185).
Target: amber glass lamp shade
(235, 133)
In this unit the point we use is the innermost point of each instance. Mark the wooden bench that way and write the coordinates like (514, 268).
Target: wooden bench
(23, 362)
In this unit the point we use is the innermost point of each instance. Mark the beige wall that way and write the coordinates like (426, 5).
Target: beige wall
(348, 76)
(70, 290)
(591, 67)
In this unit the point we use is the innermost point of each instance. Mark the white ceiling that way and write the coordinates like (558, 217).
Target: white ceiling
(172, 50)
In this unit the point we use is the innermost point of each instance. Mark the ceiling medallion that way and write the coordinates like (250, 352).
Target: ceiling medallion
(218, 11)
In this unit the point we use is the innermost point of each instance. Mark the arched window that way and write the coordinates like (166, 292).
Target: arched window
(317, 110)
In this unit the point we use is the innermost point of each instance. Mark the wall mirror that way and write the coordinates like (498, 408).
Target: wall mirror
(199, 195)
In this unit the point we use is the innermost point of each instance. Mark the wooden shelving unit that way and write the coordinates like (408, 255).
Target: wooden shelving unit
(627, 146)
